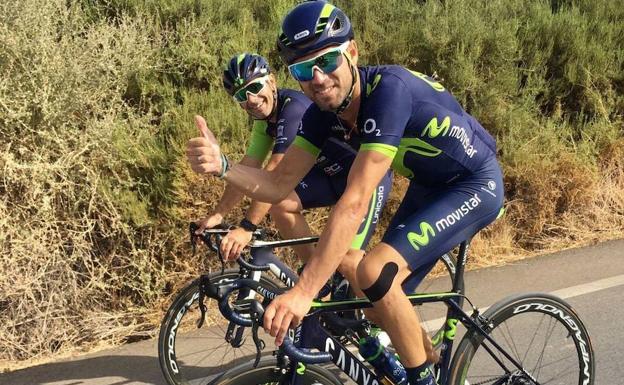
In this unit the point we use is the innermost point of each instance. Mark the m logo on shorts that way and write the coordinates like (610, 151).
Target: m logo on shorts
(420, 240)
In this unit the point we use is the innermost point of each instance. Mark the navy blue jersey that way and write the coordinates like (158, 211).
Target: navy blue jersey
(411, 118)
(335, 155)
(291, 105)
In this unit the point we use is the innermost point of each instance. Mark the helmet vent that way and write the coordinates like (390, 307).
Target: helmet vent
(284, 39)
(320, 27)
(338, 25)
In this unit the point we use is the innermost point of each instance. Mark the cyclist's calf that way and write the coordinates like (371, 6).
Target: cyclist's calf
(380, 274)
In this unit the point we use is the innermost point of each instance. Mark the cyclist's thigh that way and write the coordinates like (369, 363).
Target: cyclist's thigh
(290, 204)
(316, 190)
(373, 215)
(450, 214)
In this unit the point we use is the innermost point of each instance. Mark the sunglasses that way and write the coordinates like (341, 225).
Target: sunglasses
(253, 88)
(327, 62)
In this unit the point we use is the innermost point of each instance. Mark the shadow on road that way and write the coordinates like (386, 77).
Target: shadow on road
(111, 370)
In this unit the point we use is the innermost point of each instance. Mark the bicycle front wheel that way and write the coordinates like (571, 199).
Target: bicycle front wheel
(192, 355)
(541, 332)
(267, 373)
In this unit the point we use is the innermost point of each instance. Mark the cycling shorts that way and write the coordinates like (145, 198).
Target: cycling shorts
(432, 220)
(317, 189)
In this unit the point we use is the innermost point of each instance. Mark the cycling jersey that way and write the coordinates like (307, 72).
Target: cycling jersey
(456, 185)
(326, 181)
(411, 118)
(291, 106)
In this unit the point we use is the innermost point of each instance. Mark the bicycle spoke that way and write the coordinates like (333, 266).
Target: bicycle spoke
(537, 329)
(546, 339)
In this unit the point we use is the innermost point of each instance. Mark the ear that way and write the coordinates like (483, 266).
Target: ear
(353, 51)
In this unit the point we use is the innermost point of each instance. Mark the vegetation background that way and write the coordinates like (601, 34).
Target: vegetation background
(96, 104)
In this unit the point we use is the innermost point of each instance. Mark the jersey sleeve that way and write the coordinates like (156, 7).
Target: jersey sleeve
(386, 113)
(312, 132)
(260, 142)
(288, 125)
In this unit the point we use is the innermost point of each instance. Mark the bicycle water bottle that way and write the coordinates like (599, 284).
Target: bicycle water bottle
(384, 362)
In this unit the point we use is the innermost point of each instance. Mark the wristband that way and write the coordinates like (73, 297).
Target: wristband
(247, 225)
(225, 164)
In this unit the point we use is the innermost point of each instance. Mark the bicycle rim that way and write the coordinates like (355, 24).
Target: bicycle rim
(541, 332)
(189, 355)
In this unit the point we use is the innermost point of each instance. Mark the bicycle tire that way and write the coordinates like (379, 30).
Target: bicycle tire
(266, 373)
(565, 357)
(185, 353)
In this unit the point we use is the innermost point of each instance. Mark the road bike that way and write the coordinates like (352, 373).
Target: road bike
(195, 344)
(525, 339)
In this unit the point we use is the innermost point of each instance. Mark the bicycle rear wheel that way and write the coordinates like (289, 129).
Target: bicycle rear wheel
(266, 373)
(542, 332)
(191, 355)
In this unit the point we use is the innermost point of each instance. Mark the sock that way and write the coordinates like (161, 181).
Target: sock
(420, 375)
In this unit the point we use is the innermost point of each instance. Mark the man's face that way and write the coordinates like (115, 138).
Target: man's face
(260, 105)
(328, 87)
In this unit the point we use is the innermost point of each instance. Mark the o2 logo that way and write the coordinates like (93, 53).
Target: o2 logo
(370, 126)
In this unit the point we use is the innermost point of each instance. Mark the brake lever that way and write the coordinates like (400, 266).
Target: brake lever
(221, 259)
(203, 280)
(257, 313)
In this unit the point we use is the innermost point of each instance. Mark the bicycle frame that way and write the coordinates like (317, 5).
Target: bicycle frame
(311, 335)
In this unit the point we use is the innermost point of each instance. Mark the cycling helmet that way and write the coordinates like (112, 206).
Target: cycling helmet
(311, 26)
(243, 68)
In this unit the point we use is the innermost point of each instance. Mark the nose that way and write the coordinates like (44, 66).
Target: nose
(318, 76)
(253, 100)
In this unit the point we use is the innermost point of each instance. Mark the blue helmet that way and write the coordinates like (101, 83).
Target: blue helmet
(243, 68)
(311, 26)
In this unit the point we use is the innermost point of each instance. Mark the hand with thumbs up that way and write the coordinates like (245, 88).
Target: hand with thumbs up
(203, 153)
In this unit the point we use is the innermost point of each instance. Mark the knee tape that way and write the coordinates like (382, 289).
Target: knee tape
(379, 289)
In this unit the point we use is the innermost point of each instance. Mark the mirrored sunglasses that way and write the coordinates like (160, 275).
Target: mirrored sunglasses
(253, 88)
(327, 62)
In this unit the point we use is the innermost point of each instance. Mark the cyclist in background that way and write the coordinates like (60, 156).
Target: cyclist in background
(276, 114)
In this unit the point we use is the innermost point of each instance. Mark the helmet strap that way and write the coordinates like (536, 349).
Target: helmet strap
(347, 100)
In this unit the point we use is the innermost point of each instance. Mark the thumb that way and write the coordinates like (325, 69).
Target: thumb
(201, 125)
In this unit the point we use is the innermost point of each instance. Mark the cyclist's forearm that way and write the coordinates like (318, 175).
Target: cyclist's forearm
(257, 211)
(334, 243)
(262, 185)
(232, 196)
(230, 199)
(272, 186)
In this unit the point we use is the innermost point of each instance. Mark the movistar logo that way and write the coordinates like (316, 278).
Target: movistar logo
(459, 213)
(433, 129)
(416, 146)
(420, 240)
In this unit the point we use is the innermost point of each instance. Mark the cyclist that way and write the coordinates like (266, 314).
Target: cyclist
(396, 118)
(276, 114)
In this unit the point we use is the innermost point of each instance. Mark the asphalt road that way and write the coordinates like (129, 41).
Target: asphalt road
(591, 279)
